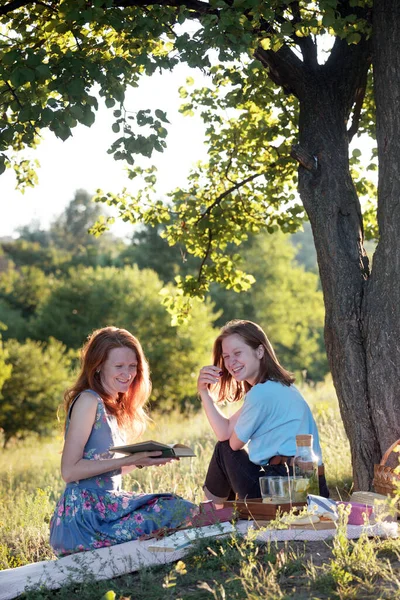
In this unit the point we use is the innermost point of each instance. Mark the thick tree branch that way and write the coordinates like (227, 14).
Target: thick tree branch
(306, 44)
(345, 73)
(309, 51)
(13, 6)
(284, 68)
(218, 200)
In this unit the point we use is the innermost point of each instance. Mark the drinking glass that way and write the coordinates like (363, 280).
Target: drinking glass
(272, 489)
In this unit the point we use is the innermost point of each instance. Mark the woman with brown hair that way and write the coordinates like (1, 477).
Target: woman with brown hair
(273, 413)
(107, 402)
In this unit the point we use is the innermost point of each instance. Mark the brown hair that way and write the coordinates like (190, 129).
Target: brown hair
(129, 406)
(270, 368)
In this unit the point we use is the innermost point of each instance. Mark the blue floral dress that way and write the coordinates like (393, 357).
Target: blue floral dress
(96, 512)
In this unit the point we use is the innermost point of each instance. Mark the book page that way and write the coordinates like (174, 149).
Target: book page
(152, 446)
(182, 450)
(148, 446)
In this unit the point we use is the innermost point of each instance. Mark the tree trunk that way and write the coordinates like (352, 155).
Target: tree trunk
(331, 202)
(381, 311)
(362, 318)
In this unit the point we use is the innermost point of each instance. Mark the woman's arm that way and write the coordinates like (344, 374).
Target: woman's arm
(234, 442)
(74, 467)
(222, 426)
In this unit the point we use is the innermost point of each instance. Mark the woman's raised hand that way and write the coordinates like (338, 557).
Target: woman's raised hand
(208, 376)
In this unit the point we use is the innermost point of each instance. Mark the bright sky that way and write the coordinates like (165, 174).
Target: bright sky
(82, 160)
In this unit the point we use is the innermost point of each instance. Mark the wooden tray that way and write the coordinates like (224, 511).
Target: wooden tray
(255, 509)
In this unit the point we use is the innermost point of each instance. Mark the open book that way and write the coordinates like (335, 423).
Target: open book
(174, 450)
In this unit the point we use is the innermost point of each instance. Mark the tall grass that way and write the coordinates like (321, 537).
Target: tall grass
(30, 481)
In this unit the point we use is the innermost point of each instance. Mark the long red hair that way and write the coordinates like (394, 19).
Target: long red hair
(270, 368)
(128, 408)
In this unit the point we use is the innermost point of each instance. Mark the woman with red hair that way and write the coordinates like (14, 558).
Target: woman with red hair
(107, 402)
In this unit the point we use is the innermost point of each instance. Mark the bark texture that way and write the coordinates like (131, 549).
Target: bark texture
(362, 327)
(327, 94)
(333, 208)
(381, 310)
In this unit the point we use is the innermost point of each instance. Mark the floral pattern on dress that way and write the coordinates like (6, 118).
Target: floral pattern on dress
(95, 512)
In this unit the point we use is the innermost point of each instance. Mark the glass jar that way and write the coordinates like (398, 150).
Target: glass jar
(305, 468)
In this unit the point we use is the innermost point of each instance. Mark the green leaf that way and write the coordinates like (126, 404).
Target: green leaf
(43, 71)
(162, 132)
(353, 38)
(62, 27)
(286, 28)
(33, 60)
(61, 130)
(266, 44)
(46, 116)
(75, 87)
(21, 75)
(115, 127)
(143, 117)
(160, 114)
(77, 111)
(10, 57)
(25, 114)
(88, 116)
(328, 19)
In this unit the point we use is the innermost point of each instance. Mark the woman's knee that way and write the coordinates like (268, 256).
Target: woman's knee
(222, 445)
(222, 450)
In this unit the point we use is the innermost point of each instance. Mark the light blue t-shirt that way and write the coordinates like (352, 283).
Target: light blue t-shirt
(272, 415)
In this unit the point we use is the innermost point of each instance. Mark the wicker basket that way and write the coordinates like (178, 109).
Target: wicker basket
(384, 477)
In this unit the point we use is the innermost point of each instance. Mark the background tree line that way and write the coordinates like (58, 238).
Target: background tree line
(59, 284)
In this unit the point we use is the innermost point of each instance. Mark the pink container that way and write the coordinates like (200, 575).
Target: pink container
(357, 512)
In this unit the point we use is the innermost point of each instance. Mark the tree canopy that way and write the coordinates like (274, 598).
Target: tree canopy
(54, 54)
(290, 86)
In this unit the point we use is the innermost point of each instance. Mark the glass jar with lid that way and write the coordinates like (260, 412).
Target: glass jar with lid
(305, 468)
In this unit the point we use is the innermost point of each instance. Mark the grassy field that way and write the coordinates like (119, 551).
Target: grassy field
(30, 484)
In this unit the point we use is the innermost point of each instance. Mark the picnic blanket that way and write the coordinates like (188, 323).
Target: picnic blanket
(106, 563)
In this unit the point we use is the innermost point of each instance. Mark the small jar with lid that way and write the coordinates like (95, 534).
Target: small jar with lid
(305, 468)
